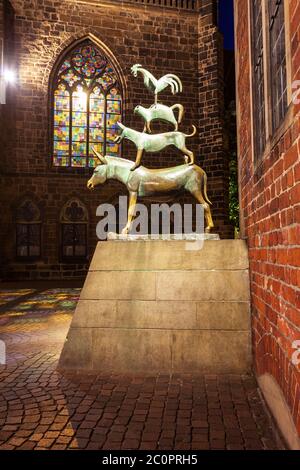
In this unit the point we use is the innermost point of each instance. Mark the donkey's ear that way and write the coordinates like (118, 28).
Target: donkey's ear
(101, 159)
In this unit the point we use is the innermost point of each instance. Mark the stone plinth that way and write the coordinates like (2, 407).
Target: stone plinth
(163, 306)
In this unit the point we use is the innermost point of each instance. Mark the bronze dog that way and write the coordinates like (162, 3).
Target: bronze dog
(155, 143)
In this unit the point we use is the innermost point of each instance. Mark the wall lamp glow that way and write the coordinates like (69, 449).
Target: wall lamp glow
(7, 77)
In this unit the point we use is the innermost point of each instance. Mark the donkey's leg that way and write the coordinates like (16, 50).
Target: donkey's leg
(207, 212)
(138, 159)
(131, 210)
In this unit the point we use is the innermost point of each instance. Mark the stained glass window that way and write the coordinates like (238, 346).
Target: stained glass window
(74, 224)
(28, 231)
(87, 107)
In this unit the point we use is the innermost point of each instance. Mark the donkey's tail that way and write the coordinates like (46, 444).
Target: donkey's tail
(205, 188)
(193, 133)
(180, 111)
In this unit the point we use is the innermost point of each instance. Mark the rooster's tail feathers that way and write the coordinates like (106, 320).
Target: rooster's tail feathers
(176, 81)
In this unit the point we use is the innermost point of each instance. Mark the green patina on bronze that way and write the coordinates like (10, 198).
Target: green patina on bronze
(145, 182)
(160, 112)
(149, 182)
(155, 142)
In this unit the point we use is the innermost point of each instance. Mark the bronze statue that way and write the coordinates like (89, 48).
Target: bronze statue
(160, 112)
(145, 182)
(155, 142)
(156, 86)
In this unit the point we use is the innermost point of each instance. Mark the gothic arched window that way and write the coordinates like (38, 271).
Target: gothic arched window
(74, 227)
(87, 104)
(28, 230)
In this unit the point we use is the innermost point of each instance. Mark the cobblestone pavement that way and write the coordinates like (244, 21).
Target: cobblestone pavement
(42, 409)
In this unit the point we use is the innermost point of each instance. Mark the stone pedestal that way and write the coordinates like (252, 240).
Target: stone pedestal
(163, 306)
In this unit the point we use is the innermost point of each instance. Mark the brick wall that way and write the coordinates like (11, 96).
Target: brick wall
(164, 40)
(1, 61)
(270, 215)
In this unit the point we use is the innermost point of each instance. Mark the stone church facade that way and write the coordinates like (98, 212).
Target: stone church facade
(48, 216)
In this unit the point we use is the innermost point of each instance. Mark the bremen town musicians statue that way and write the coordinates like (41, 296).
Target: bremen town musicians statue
(141, 181)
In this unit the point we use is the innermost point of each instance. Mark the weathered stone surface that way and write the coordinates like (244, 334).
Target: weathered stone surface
(135, 314)
(170, 255)
(162, 314)
(161, 308)
(211, 351)
(119, 285)
(77, 352)
(223, 315)
(203, 285)
(134, 349)
(137, 350)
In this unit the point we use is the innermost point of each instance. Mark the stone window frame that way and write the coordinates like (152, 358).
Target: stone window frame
(273, 134)
(73, 220)
(279, 103)
(258, 77)
(27, 221)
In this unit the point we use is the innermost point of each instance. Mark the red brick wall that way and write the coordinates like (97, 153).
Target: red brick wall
(270, 215)
(164, 40)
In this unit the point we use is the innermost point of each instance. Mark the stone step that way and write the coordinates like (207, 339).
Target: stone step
(162, 315)
(170, 255)
(127, 351)
(158, 307)
(168, 285)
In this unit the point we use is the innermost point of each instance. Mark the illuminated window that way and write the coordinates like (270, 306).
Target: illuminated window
(258, 78)
(28, 231)
(277, 61)
(269, 82)
(87, 105)
(74, 228)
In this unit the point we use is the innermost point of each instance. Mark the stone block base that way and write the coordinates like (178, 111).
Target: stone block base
(160, 306)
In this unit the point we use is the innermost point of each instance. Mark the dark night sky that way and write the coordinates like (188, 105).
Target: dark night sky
(226, 23)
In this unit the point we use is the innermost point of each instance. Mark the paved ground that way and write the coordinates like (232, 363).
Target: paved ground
(42, 409)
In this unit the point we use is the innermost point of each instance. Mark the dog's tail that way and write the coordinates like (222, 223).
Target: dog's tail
(205, 188)
(180, 111)
(193, 133)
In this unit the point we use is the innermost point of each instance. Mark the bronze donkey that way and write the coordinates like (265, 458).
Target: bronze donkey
(144, 182)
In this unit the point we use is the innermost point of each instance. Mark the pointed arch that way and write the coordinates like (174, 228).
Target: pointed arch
(74, 211)
(28, 230)
(87, 97)
(74, 220)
